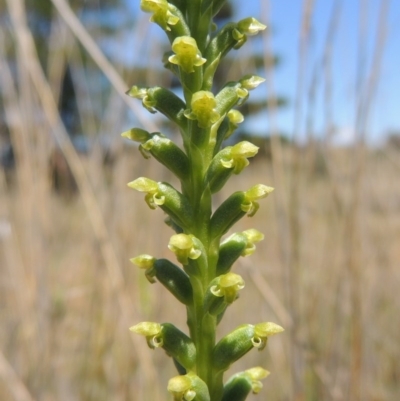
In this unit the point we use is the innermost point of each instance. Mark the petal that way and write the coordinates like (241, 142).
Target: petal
(250, 26)
(144, 261)
(251, 81)
(267, 329)
(244, 149)
(137, 135)
(181, 241)
(231, 280)
(143, 184)
(147, 329)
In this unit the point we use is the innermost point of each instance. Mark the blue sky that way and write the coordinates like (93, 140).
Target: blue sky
(285, 20)
(346, 70)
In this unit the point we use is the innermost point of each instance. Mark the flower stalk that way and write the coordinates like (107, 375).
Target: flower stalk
(203, 283)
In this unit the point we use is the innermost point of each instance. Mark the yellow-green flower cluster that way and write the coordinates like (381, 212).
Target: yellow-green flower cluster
(200, 276)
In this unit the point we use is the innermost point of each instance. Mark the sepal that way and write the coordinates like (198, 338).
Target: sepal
(250, 82)
(239, 386)
(188, 387)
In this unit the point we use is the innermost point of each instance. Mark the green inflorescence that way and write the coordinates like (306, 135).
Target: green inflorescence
(204, 283)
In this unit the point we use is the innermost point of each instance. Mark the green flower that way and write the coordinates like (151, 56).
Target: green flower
(259, 191)
(161, 14)
(153, 197)
(187, 55)
(235, 117)
(145, 262)
(252, 235)
(261, 333)
(246, 27)
(152, 332)
(250, 82)
(228, 286)
(143, 93)
(188, 387)
(255, 375)
(203, 109)
(237, 157)
(184, 248)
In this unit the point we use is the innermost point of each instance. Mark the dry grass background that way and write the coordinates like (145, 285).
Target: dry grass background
(328, 269)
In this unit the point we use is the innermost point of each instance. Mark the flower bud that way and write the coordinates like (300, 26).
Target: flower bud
(203, 109)
(184, 247)
(187, 54)
(188, 387)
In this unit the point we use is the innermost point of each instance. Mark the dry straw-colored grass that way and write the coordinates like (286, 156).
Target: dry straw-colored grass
(328, 270)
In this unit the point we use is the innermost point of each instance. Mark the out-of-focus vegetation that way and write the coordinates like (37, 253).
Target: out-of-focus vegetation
(328, 270)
